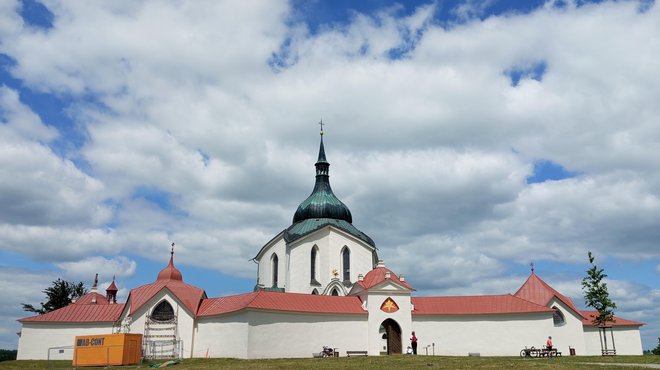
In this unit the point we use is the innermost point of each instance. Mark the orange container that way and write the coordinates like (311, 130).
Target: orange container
(107, 350)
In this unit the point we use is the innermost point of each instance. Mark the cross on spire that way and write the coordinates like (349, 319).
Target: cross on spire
(321, 123)
(532, 265)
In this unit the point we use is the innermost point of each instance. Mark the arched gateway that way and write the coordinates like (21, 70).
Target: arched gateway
(393, 332)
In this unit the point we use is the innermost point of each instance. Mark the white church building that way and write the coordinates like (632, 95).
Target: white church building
(320, 282)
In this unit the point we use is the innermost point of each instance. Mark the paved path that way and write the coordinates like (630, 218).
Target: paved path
(648, 366)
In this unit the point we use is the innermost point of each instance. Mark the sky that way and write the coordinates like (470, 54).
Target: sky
(468, 138)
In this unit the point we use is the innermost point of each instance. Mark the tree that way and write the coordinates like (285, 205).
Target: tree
(597, 297)
(656, 350)
(596, 294)
(58, 295)
(8, 354)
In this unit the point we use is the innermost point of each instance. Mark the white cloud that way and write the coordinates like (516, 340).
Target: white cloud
(19, 286)
(106, 268)
(19, 123)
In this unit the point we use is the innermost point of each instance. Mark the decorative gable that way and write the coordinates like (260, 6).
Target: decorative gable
(389, 305)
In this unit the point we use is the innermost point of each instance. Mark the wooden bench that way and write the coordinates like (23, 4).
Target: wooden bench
(550, 353)
(356, 353)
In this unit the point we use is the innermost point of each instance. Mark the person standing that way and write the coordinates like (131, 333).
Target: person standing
(413, 343)
(548, 344)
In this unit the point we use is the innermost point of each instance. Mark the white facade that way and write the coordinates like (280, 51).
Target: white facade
(488, 335)
(294, 267)
(36, 339)
(627, 341)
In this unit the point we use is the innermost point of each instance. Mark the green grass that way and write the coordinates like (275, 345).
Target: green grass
(382, 363)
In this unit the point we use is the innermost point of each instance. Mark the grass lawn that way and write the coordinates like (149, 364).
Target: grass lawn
(382, 363)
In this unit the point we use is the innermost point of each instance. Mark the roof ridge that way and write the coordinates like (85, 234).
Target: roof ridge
(530, 302)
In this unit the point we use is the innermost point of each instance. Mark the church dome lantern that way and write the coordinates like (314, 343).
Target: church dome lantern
(170, 272)
(322, 203)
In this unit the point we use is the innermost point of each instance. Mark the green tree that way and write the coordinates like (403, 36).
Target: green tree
(7, 354)
(656, 350)
(60, 294)
(596, 294)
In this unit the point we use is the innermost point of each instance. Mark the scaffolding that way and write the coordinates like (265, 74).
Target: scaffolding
(160, 339)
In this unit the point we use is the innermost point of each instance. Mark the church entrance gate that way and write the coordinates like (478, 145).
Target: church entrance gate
(393, 331)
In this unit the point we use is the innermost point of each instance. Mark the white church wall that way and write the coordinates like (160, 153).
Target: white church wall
(627, 340)
(185, 320)
(489, 335)
(568, 334)
(287, 334)
(37, 338)
(361, 255)
(330, 243)
(222, 336)
(265, 266)
(300, 259)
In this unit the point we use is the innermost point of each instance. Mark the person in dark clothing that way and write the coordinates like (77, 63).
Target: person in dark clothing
(413, 342)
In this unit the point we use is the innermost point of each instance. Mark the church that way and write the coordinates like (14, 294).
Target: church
(320, 283)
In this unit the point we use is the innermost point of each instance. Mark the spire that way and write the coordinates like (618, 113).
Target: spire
(94, 287)
(170, 272)
(322, 165)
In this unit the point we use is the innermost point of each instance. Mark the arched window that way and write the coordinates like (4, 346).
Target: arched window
(313, 257)
(558, 317)
(334, 292)
(275, 266)
(163, 312)
(346, 264)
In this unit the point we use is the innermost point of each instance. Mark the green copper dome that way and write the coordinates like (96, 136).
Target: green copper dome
(322, 203)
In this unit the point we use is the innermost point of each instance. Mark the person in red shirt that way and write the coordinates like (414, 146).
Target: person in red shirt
(548, 343)
(413, 342)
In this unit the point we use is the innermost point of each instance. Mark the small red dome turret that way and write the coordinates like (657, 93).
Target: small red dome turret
(170, 272)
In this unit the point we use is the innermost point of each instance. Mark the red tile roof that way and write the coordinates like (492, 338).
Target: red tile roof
(590, 315)
(189, 295)
(538, 291)
(474, 305)
(295, 302)
(79, 313)
(377, 276)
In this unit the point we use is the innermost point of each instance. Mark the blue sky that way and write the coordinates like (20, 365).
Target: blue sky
(468, 138)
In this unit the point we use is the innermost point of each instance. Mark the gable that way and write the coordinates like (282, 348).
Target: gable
(186, 295)
(390, 286)
(277, 238)
(163, 295)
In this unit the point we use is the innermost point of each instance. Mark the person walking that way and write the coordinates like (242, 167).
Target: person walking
(413, 343)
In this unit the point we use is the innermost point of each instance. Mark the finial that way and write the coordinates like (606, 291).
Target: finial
(321, 123)
(96, 280)
(172, 252)
(532, 265)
